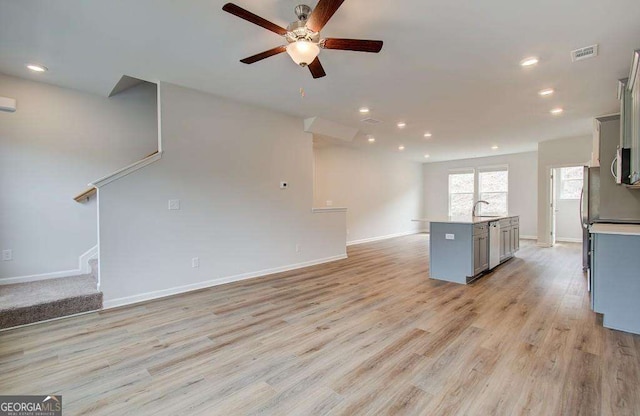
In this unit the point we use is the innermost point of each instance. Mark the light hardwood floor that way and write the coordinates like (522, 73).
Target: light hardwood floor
(367, 335)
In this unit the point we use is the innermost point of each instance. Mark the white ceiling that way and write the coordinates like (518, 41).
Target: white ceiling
(447, 66)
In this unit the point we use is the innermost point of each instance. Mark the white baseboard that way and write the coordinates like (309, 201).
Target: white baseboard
(382, 237)
(83, 268)
(569, 240)
(560, 240)
(528, 237)
(128, 300)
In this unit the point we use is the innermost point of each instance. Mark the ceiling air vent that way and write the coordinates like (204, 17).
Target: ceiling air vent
(584, 53)
(371, 120)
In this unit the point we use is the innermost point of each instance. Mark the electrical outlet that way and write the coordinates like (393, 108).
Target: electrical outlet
(195, 262)
(7, 255)
(450, 236)
(174, 204)
(329, 203)
(298, 248)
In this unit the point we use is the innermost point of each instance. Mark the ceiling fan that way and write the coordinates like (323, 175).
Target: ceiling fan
(303, 35)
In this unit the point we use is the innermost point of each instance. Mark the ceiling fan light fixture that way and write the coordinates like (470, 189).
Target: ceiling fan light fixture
(303, 52)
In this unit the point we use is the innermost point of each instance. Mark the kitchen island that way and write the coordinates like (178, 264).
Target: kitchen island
(464, 248)
(615, 276)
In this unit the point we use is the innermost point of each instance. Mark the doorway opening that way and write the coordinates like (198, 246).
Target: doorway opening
(566, 187)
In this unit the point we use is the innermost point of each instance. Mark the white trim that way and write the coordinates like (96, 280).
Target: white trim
(528, 237)
(462, 170)
(568, 240)
(382, 237)
(127, 170)
(159, 103)
(328, 209)
(98, 234)
(493, 168)
(634, 73)
(83, 261)
(128, 300)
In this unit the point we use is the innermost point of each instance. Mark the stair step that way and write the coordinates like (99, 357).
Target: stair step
(25, 303)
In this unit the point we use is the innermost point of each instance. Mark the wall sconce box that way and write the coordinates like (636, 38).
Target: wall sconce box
(7, 104)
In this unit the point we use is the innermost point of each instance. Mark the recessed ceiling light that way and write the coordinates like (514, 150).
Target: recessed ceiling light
(494, 147)
(371, 139)
(557, 111)
(427, 134)
(529, 61)
(545, 92)
(37, 68)
(426, 156)
(364, 110)
(401, 147)
(401, 124)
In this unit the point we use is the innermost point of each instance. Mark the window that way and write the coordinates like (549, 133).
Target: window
(461, 192)
(493, 187)
(467, 186)
(571, 182)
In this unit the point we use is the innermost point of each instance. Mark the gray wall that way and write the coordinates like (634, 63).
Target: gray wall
(522, 186)
(224, 161)
(383, 193)
(50, 149)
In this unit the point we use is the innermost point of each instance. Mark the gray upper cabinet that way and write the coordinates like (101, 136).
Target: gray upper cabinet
(625, 98)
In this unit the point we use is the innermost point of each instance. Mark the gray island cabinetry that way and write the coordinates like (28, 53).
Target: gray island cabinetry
(462, 249)
(615, 275)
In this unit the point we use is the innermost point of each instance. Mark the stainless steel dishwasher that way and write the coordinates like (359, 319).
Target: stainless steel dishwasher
(494, 244)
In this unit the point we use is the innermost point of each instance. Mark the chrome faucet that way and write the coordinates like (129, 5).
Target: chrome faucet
(473, 211)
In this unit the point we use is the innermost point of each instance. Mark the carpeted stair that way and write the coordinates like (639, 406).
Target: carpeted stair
(25, 303)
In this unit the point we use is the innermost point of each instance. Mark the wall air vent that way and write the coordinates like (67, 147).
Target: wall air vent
(584, 53)
(371, 121)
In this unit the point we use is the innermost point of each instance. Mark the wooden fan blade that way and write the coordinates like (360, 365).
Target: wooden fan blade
(322, 13)
(317, 71)
(253, 18)
(358, 45)
(263, 55)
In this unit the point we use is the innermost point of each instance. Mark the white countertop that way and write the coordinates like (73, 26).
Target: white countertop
(464, 219)
(619, 229)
